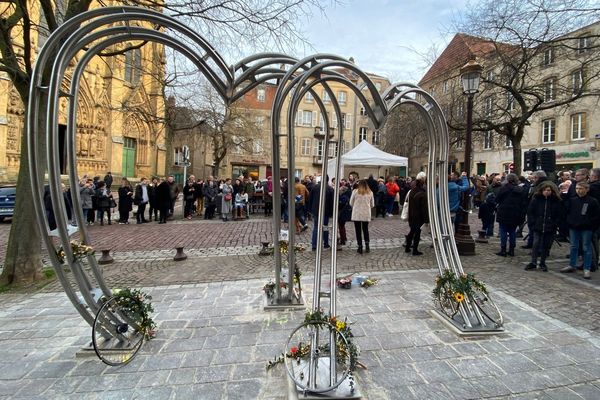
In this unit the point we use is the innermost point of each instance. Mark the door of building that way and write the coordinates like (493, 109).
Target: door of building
(128, 157)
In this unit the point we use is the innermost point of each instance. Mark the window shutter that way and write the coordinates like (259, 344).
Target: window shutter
(348, 121)
(299, 117)
(314, 118)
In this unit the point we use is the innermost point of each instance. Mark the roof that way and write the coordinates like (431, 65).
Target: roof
(367, 155)
(460, 49)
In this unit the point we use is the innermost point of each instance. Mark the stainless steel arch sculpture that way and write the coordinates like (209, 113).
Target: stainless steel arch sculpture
(89, 33)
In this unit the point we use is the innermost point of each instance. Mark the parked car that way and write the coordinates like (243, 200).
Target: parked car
(7, 201)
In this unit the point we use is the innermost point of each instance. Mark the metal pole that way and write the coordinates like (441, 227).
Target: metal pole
(464, 241)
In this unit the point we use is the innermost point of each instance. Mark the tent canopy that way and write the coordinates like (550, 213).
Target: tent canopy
(365, 154)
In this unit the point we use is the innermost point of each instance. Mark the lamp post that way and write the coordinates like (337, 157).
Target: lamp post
(470, 75)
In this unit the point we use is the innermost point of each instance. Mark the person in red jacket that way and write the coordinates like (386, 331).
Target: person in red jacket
(392, 190)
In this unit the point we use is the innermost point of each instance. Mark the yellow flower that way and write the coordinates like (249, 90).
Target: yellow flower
(340, 325)
(458, 297)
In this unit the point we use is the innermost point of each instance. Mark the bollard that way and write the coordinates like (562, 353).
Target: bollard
(265, 249)
(105, 258)
(481, 238)
(180, 255)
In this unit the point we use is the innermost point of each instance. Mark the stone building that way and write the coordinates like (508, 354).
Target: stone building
(120, 115)
(308, 157)
(556, 71)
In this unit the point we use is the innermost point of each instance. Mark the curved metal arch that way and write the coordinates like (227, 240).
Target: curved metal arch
(444, 242)
(67, 41)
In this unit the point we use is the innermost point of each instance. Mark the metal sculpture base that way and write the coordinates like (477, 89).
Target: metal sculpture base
(346, 390)
(272, 304)
(458, 326)
(86, 351)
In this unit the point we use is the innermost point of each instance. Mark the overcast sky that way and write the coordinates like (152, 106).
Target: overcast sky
(380, 33)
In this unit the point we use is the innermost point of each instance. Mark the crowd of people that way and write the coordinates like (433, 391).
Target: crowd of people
(565, 210)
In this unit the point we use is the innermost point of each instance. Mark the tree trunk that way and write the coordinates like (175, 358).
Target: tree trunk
(517, 157)
(23, 263)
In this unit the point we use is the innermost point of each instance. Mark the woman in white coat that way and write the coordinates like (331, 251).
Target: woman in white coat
(362, 201)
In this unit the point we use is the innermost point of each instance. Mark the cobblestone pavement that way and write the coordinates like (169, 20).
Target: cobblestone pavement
(550, 349)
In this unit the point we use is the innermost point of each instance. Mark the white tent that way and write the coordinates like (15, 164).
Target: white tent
(364, 154)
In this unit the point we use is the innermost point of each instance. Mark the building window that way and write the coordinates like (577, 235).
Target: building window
(549, 90)
(508, 142)
(309, 97)
(306, 146)
(318, 148)
(342, 96)
(376, 138)
(487, 140)
(378, 86)
(490, 76)
(133, 66)
(332, 149)
(326, 98)
(459, 143)
(548, 131)
(548, 57)
(445, 87)
(363, 111)
(260, 121)
(510, 101)
(578, 126)
(362, 133)
(306, 118)
(583, 44)
(577, 81)
(460, 109)
(260, 95)
(489, 106)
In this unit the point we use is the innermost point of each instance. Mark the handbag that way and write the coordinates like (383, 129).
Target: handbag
(404, 214)
(113, 203)
(228, 197)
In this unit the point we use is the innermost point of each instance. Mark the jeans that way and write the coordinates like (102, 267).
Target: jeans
(488, 227)
(325, 232)
(508, 233)
(584, 237)
(389, 203)
(141, 210)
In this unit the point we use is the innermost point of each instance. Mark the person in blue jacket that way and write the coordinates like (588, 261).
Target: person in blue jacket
(457, 185)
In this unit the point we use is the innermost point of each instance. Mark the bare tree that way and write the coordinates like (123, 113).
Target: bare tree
(527, 37)
(225, 21)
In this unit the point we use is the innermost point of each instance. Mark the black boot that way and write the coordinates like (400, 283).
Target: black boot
(511, 251)
(359, 250)
(407, 245)
(367, 249)
(415, 247)
(502, 252)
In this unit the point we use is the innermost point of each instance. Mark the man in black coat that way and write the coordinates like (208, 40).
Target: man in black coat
(595, 193)
(512, 205)
(372, 183)
(536, 179)
(163, 200)
(583, 216)
(108, 180)
(313, 205)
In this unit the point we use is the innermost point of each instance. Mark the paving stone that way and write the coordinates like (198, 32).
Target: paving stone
(217, 373)
(431, 391)
(489, 386)
(474, 367)
(547, 358)
(436, 371)
(247, 389)
(460, 389)
(562, 393)
(513, 362)
(587, 391)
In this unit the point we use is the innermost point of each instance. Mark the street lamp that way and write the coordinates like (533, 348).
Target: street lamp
(470, 76)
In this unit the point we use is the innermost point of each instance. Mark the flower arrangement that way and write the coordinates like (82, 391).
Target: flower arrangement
(137, 306)
(451, 290)
(270, 286)
(344, 283)
(368, 282)
(78, 249)
(345, 349)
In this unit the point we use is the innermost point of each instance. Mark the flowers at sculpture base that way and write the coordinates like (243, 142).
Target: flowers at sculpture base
(451, 290)
(137, 306)
(78, 249)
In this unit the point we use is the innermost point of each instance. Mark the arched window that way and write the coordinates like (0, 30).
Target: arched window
(133, 66)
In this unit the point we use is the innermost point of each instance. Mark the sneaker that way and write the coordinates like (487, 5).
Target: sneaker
(530, 266)
(568, 269)
(327, 246)
(587, 274)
